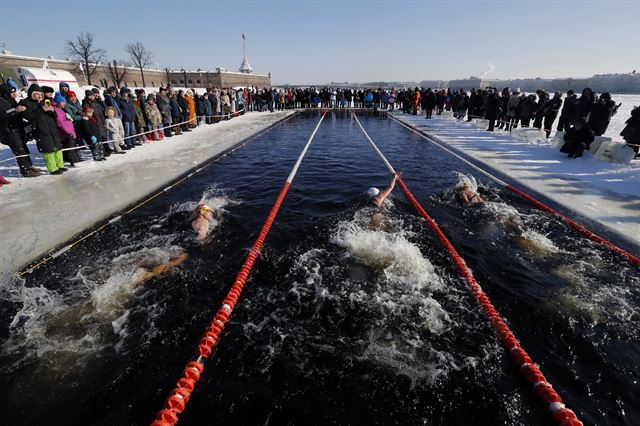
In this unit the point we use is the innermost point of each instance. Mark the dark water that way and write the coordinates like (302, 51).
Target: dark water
(339, 324)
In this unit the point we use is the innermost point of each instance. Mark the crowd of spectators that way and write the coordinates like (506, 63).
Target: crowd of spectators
(118, 119)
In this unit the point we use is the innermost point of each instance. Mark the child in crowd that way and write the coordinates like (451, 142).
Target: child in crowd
(115, 129)
(91, 133)
(154, 117)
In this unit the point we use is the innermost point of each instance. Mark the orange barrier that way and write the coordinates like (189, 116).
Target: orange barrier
(542, 389)
(181, 393)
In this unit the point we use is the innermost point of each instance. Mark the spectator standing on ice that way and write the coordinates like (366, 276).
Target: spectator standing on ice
(115, 129)
(12, 130)
(162, 101)
(526, 108)
(90, 133)
(543, 98)
(429, 103)
(154, 116)
(93, 100)
(141, 121)
(191, 106)
(176, 116)
(504, 106)
(568, 111)
(492, 109)
(512, 110)
(551, 110)
(66, 130)
(600, 117)
(42, 120)
(128, 117)
(584, 105)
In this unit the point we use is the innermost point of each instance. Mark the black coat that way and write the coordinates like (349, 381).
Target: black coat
(43, 125)
(10, 119)
(493, 107)
(569, 107)
(89, 127)
(176, 116)
(601, 115)
(584, 106)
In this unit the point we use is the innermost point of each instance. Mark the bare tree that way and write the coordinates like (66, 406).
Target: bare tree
(83, 49)
(117, 74)
(140, 56)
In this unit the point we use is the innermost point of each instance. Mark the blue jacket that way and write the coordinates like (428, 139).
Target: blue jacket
(110, 101)
(127, 109)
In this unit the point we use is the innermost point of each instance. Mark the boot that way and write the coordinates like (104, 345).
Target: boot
(178, 130)
(3, 181)
(160, 135)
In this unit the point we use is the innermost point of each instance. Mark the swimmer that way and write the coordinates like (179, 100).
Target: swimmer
(379, 221)
(202, 221)
(467, 196)
(162, 269)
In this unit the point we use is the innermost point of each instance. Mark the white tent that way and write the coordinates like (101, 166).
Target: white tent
(48, 77)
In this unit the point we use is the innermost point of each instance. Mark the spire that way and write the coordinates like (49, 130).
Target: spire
(245, 67)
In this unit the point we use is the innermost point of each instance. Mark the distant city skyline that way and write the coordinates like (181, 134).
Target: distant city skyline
(355, 41)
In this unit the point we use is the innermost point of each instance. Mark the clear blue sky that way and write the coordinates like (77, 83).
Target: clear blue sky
(321, 41)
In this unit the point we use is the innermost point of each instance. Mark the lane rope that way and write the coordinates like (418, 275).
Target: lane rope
(181, 393)
(530, 371)
(217, 157)
(580, 228)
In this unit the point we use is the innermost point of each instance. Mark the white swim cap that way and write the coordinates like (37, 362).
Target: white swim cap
(372, 192)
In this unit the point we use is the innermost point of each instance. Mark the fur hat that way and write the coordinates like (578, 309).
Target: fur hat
(88, 93)
(47, 89)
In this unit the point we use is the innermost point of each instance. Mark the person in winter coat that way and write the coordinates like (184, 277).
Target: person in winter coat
(184, 110)
(568, 112)
(155, 118)
(92, 99)
(176, 116)
(200, 109)
(162, 101)
(584, 105)
(538, 110)
(631, 132)
(550, 112)
(191, 105)
(504, 107)
(492, 111)
(115, 129)
(141, 120)
(601, 115)
(214, 99)
(12, 130)
(577, 139)
(66, 130)
(224, 102)
(42, 119)
(526, 108)
(128, 116)
(512, 109)
(208, 111)
(64, 89)
(111, 100)
(90, 133)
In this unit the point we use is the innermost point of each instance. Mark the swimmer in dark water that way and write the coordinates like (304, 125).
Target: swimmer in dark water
(162, 269)
(379, 221)
(202, 221)
(467, 196)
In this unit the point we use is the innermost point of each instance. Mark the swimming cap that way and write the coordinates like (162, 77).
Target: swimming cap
(372, 192)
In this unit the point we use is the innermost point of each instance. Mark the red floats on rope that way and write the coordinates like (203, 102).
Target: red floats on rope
(180, 395)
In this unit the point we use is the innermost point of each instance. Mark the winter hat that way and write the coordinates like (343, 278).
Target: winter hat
(372, 192)
(47, 89)
(124, 90)
(71, 94)
(63, 84)
(95, 90)
(6, 90)
(88, 93)
(87, 107)
(112, 89)
(34, 88)
(11, 82)
(59, 98)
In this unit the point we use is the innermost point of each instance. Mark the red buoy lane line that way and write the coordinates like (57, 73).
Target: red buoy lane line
(542, 389)
(180, 394)
(582, 229)
(575, 225)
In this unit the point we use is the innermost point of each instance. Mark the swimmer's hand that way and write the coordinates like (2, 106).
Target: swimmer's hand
(397, 175)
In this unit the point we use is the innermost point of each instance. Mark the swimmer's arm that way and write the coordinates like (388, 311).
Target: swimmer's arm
(379, 199)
